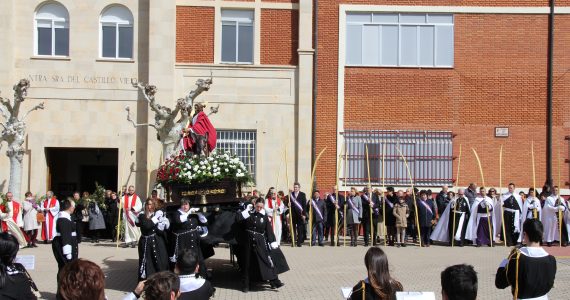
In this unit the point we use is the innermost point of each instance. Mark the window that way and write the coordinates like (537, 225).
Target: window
(116, 33)
(399, 40)
(429, 155)
(239, 142)
(237, 36)
(52, 30)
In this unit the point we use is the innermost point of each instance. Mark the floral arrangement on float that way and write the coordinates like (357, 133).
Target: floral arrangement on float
(190, 168)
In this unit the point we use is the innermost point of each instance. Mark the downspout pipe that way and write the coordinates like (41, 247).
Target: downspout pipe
(315, 81)
(549, 116)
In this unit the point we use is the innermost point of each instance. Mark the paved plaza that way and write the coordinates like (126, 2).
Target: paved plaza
(316, 272)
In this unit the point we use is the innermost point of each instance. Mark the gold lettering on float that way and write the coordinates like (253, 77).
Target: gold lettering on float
(203, 192)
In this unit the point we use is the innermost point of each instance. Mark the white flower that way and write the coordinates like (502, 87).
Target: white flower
(203, 167)
(201, 162)
(226, 170)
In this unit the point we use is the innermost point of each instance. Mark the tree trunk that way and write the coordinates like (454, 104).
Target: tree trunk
(15, 184)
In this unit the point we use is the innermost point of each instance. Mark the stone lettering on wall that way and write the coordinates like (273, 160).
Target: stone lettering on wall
(92, 80)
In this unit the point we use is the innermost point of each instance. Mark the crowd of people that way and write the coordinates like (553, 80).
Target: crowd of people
(169, 242)
(472, 216)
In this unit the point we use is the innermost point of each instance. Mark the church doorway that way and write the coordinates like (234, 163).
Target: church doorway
(78, 169)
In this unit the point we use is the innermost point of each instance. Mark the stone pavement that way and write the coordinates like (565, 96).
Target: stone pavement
(316, 272)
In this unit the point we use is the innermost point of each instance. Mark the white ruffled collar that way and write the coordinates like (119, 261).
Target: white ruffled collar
(534, 252)
(189, 283)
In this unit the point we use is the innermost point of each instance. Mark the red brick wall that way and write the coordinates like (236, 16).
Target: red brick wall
(281, 1)
(279, 36)
(499, 79)
(194, 34)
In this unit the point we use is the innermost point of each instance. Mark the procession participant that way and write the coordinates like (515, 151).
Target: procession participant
(391, 199)
(31, 224)
(112, 216)
(286, 222)
(442, 199)
(132, 206)
(426, 217)
(523, 196)
(471, 193)
(187, 225)
(379, 284)
(50, 208)
(159, 201)
(65, 248)
(274, 208)
(481, 220)
(400, 211)
(367, 205)
(80, 217)
(299, 210)
(11, 216)
(443, 232)
(153, 256)
(353, 215)
(332, 205)
(376, 214)
(319, 215)
(262, 258)
(96, 221)
(431, 200)
(550, 216)
(529, 271)
(531, 207)
(411, 230)
(201, 125)
(512, 209)
(192, 287)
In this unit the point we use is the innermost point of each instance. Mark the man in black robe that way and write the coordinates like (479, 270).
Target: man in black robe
(529, 271)
(369, 204)
(64, 245)
(442, 199)
(332, 205)
(298, 204)
(261, 257)
(390, 200)
(512, 211)
(462, 210)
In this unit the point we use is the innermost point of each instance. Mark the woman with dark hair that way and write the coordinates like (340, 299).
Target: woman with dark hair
(81, 279)
(187, 226)
(530, 270)
(15, 282)
(379, 284)
(353, 215)
(153, 256)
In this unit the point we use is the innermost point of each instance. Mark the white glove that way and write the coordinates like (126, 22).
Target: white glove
(203, 231)
(274, 245)
(561, 208)
(249, 207)
(531, 206)
(194, 210)
(161, 226)
(159, 214)
(68, 256)
(183, 218)
(155, 219)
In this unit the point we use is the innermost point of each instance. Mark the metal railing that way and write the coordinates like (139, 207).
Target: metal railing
(429, 155)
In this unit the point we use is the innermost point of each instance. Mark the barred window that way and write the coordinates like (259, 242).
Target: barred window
(429, 155)
(241, 143)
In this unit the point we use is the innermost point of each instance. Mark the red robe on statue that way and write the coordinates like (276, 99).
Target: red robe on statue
(200, 125)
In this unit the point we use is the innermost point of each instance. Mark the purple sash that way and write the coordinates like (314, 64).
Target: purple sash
(352, 206)
(294, 200)
(389, 202)
(317, 209)
(426, 206)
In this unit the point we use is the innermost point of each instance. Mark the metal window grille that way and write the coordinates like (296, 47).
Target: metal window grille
(429, 155)
(241, 143)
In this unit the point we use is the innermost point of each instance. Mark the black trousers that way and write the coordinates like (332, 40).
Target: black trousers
(425, 232)
(366, 224)
(300, 231)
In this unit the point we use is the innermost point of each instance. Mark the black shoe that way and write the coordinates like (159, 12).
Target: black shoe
(133, 245)
(321, 245)
(365, 244)
(299, 245)
(113, 240)
(125, 245)
(403, 245)
(245, 289)
(45, 242)
(275, 284)
(34, 245)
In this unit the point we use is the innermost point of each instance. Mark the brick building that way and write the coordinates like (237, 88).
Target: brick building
(429, 77)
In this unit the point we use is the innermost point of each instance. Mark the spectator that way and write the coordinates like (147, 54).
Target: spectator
(163, 285)
(81, 279)
(379, 284)
(459, 282)
(471, 193)
(530, 270)
(191, 285)
(15, 282)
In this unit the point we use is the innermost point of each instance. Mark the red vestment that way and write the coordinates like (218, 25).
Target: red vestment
(201, 126)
